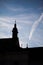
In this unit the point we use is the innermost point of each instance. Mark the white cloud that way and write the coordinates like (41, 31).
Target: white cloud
(16, 9)
(35, 24)
(7, 24)
(2, 35)
(22, 18)
(22, 44)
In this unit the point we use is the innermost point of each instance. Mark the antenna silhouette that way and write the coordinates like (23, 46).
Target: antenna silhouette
(27, 45)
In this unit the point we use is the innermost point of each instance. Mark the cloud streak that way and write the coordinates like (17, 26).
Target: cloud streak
(35, 24)
(17, 9)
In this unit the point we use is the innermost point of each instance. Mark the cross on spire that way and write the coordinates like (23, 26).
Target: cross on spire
(15, 21)
(15, 30)
(15, 24)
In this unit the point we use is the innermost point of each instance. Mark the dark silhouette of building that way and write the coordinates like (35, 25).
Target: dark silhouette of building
(12, 54)
(11, 43)
(15, 31)
(15, 35)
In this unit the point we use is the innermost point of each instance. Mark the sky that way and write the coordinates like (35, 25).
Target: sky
(29, 18)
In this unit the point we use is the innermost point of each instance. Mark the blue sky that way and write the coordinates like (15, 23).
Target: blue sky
(29, 17)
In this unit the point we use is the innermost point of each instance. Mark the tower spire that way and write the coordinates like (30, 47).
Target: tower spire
(15, 24)
(15, 34)
(15, 30)
(15, 21)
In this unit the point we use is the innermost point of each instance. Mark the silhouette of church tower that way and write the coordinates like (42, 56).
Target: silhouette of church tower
(14, 31)
(15, 35)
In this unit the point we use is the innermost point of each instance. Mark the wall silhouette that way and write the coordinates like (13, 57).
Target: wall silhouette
(12, 54)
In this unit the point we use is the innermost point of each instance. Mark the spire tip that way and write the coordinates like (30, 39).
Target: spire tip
(15, 21)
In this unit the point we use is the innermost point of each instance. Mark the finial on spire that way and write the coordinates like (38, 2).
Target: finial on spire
(15, 24)
(15, 21)
(27, 45)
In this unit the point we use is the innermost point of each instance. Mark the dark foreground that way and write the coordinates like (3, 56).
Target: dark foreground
(29, 56)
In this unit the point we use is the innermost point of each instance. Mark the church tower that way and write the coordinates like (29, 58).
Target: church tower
(15, 35)
(14, 31)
